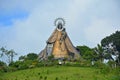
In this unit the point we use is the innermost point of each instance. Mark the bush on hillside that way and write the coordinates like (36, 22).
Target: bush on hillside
(3, 67)
(19, 65)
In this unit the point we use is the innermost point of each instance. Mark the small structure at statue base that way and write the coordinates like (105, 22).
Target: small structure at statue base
(59, 45)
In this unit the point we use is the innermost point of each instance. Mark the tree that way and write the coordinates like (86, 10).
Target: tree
(9, 53)
(115, 39)
(86, 52)
(29, 56)
(22, 58)
(109, 51)
(3, 51)
(100, 52)
(32, 56)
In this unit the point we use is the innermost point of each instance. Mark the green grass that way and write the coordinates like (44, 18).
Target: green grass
(57, 73)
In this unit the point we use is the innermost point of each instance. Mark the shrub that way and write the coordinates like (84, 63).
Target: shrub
(98, 64)
(112, 64)
(104, 68)
(115, 78)
(19, 65)
(3, 67)
(116, 71)
(85, 63)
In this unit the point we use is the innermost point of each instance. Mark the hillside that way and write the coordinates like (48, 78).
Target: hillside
(58, 73)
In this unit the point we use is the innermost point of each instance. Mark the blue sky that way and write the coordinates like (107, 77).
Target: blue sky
(25, 25)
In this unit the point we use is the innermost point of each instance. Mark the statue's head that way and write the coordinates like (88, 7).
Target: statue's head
(59, 23)
(59, 26)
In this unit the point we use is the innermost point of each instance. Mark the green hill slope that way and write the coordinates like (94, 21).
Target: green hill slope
(58, 73)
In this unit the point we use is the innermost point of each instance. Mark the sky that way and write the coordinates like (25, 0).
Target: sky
(25, 25)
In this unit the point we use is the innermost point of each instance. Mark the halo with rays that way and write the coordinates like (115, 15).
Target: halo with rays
(59, 20)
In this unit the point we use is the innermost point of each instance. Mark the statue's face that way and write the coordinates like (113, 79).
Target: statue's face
(60, 27)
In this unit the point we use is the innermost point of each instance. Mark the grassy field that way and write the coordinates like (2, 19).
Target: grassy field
(58, 73)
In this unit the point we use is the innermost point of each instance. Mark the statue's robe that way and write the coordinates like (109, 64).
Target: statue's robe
(60, 46)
